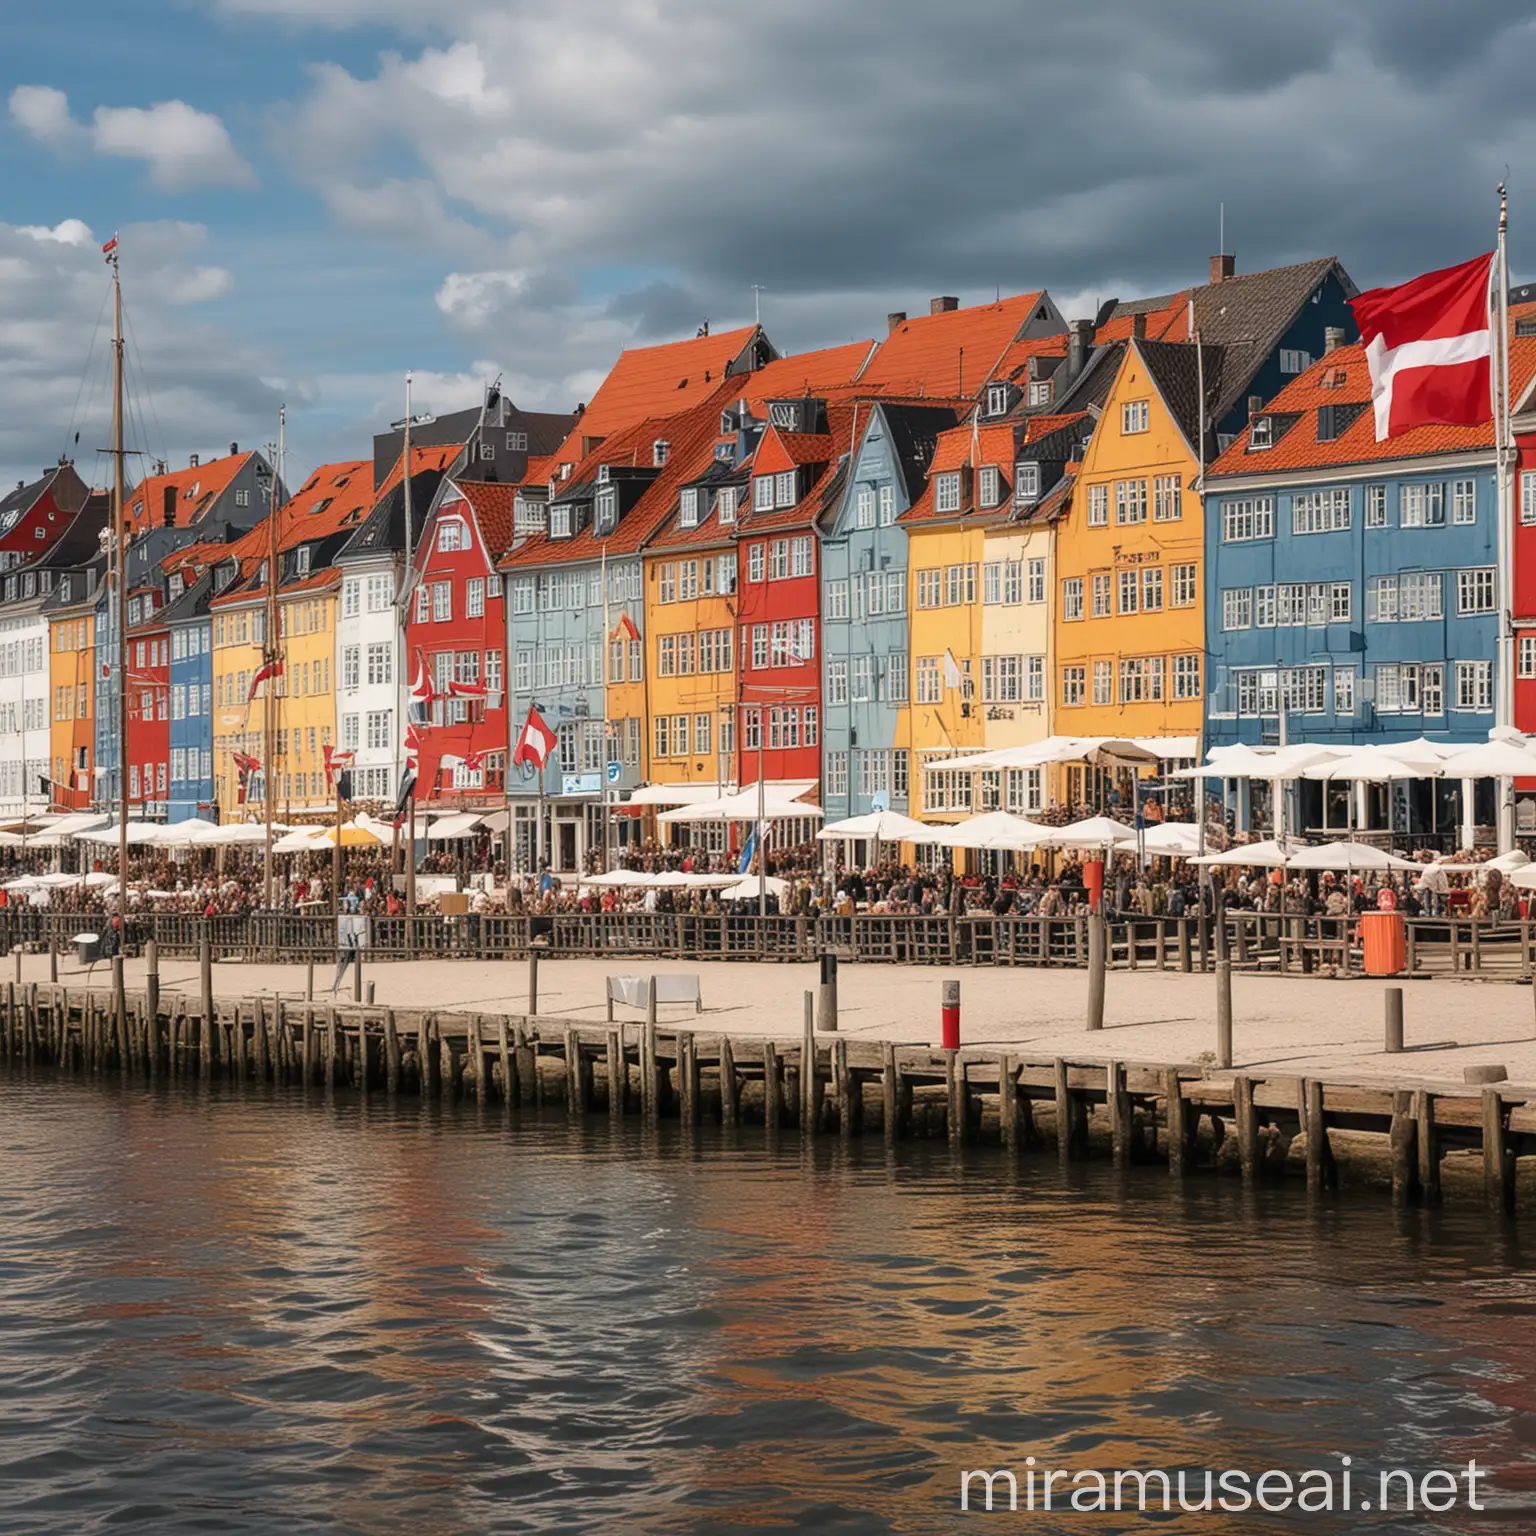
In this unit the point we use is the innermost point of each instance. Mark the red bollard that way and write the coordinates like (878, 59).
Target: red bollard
(951, 1015)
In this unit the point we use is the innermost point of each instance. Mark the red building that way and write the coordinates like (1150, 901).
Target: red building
(35, 514)
(149, 686)
(457, 627)
(779, 590)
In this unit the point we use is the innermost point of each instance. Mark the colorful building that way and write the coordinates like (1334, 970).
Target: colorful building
(148, 749)
(71, 613)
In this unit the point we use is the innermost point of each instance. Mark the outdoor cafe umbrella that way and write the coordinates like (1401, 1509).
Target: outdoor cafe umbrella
(1091, 832)
(1347, 856)
(880, 826)
(752, 888)
(1175, 839)
(1267, 854)
(996, 831)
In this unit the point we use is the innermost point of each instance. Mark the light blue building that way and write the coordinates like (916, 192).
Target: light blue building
(191, 711)
(865, 645)
(1352, 591)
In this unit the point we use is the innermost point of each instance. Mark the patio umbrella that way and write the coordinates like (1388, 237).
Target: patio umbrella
(880, 826)
(752, 888)
(1366, 765)
(1524, 879)
(1491, 760)
(1347, 856)
(1265, 855)
(1508, 863)
(998, 831)
(1091, 832)
(1172, 839)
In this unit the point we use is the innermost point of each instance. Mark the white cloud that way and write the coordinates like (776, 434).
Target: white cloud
(65, 232)
(181, 147)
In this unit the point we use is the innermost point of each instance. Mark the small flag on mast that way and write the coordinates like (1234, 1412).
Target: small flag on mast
(109, 250)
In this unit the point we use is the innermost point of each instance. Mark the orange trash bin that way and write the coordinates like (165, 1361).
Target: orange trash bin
(1384, 939)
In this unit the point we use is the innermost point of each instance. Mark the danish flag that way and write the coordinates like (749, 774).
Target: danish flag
(273, 669)
(1428, 345)
(535, 741)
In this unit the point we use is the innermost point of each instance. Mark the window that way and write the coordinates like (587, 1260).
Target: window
(1130, 587)
(864, 507)
(442, 602)
(754, 562)
(1130, 501)
(1304, 688)
(997, 400)
(349, 731)
(1250, 518)
(1072, 597)
(688, 508)
(1181, 579)
(1040, 392)
(1073, 681)
(989, 486)
(522, 594)
(1375, 506)
(861, 679)
(351, 597)
(662, 746)
(687, 580)
(837, 773)
(1340, 602)
(1167, 503)
(725, 504)
(800, 559)
(1036, 588)
(380, 663)
(560, 520)
(1237, 608)
(786, 488)
(517, 442)
(1464, 501)
(349, 668)
(1151, 589)
(1475, 590)
(929, 680)
(1528, 497)
(660, 451)
(1186, 676)
(1421, 506)
(894, 680)
(1026, 483)
(992, 582)
(1292, 360)
(1262, 433)
(701, 734)
(929, 588)
(762, 493)
(1098, 506)
(778, 560)
(1381, 600)
(946, 492)
(1133, 416)
(1527, 666)
(450, 536)
(378, 729)
(1103, 682)
(1141, 679)
(1474, 685)
(837, 600)
(666, 656)
(1320, 511)
(1343, 690)
(474, 597)
(837, 682)
(1433, 689)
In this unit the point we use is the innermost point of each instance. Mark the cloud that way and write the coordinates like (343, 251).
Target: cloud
(191, 386)
(182, 148)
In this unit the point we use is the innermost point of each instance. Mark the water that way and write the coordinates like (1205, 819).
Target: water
(263, 1315)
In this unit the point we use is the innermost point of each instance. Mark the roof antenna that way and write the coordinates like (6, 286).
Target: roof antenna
(757, 303)
(1221, 230)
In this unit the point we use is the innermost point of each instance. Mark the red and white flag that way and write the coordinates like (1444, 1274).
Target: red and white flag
(109, 249)
(1428, 344)
(466, 690)
(534, 742)
(336, 762)
(419, 704)
(273, 669)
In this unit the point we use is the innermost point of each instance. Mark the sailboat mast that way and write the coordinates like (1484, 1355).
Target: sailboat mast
(270, 653)
(405, 661)
(120, 580)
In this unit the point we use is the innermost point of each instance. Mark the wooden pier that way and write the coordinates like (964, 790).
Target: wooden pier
(1255, 1125)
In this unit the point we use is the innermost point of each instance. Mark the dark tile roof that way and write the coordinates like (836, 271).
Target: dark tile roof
(1175, 367)
(913, 431)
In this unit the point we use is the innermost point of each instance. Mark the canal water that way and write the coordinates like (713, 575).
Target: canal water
(265, 1314)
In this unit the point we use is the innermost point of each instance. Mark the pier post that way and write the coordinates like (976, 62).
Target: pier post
(1063, 1096)
(949, 1015)
(730, 1108)
(618, 1073)
(368, 990)
(533, 983)
(1098, 961)
(827, 1022)
(1394, 1040)
(1247, 1119)
(206, 1045)
(1119, 1102)
(889, 1098)
(1008, 1104)
(773, 1097)
(392, 1053)
(844, 1082)
(1178, 1123)
(1320, 1169)
(309, 983)
(1401, 1139)
(955, 1086)
(650, 1071)
(1428, 1145)
(526, 1056)
(120, 1014)
(53, 961)
(504, 1056)
(809, 1099)
(1224, 1012)
(1498, 1165)
(574, 1104)
(688, 1075)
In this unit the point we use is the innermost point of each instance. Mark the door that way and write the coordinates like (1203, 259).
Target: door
(566, 832)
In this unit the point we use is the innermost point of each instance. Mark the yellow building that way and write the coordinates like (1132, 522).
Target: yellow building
(306, 699)
(71, 657)
(1129, 618)
(239, 625)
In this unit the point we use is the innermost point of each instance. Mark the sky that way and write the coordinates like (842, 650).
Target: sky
(315, 196)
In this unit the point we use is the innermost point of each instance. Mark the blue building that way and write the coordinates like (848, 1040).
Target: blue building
(864, 605)
(191, 698)
(1352, 589)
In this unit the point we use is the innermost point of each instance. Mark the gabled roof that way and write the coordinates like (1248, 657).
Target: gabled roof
(1342, 379)
(708, 532)
(80, 542)
(1175, 369)
(805, 373)
(491, 502)
(197, 489)
(966, 445)
(657, 381)
(826, 449)
(1051, 507)
(914, 433)
(383, 529)
(950, 353)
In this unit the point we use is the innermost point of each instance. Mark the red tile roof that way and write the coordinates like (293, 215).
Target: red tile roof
(492, 503)
(1350, 384)
(824, 448)
(197, 488)
(953, 352)
(655, 381)
(958, 448)
(423, 460)
(806, 373)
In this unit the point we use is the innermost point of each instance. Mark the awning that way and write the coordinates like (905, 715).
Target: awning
(678, 794)
(779, 800)
(460, 824)
(1105, 751)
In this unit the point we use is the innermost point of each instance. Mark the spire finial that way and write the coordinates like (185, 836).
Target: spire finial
(1503, 210)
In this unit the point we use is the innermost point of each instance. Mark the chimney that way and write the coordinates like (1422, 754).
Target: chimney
(1138, 326)
(168, 506)
(1255, 405)
(193, 462)
(234, 448)
(895, 318)
(1333, 339)
(943, 305)
(1080, 335)
(1222, 267)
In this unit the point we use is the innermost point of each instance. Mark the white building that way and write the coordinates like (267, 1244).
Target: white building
(24, 718)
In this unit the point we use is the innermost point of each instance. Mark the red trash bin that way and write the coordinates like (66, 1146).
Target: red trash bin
(1384, 938)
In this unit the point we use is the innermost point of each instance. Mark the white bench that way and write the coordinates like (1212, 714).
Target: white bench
(635, 991)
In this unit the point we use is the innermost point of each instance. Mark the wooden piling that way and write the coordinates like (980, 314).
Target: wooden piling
(650, 1070)
(526, 1066)
(889, 1093)
(843, 1080)
(1394, 1024)
(1319, 1153)
(1428, 1139)
(730, 1106)
(1247, 1119)
(392, 1051)
(1178, 1123)
(810, 1099)
(773, 1088)
(120, 1014)
(208, 1024)
(1063, 1097)
(1498, 1164)
(1098, 961)
(618, 1073)
(688, 1075)
(1402, 1142)
(1118, 1101)
(1008, 1103)
(1224, 1013)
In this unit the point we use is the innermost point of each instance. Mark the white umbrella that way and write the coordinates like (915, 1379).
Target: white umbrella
(140, 833)
(1347, 855)
(186, 834)
(1524, 879)
(241, 834)
(1492, 760)
(1265, 855)
(300, 840)
(1369, 766)
(1177, 839)
(881, 826)
(1092, 832)
(999, 831)
(1508, 863)
(621, 877)
(750, 889)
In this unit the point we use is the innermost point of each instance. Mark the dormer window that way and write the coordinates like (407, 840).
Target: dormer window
(1040, 392)
(602, 474)
(450, 536)
(133, 604)
(64, 588)
(1026, 483)
(725, 504)
(560, 520)
(1263, 434)
(762, 493)
(301, 560)
(688, 508)
(946, 492)
(178, 586)
(261, 574)
(527, 516)
(661, 450)
(607, 511)
(727, 423)
(786, 488)
(997, 400)
(989, 486)
(785, 415)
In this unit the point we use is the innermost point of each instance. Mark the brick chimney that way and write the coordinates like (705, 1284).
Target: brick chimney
(1333, 339)
(943, 305)
(1079, 345)
(168, 506)
(1138, 325)
(193, 461)
(1222, 267)
(895, 318)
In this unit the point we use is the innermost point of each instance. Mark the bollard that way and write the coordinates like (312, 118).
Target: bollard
(1097, 961)
(533, 982)
(309, 984)
(53, 961)
(16, 950)
(152, 991)
(370, 994)
(1394, 1043)
(1224, 1012)
(827, 1001)
(949, 1014)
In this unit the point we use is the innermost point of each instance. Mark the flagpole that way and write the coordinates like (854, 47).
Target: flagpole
(1505, 712)
(603, 671)
(120, 596)
(269, 657)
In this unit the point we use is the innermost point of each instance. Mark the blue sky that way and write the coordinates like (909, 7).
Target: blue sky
(316, 195)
